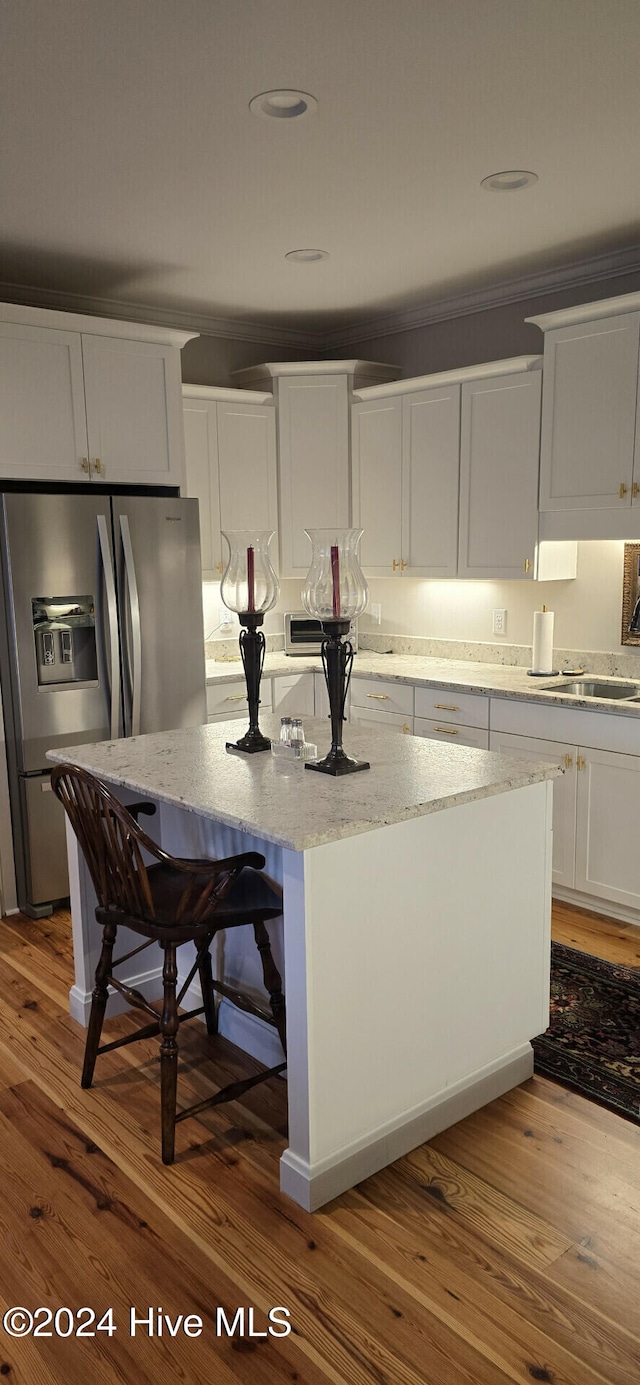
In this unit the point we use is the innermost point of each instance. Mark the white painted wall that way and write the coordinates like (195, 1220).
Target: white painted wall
(587, 609)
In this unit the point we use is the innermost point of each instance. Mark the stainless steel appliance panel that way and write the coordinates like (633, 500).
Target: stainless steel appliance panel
(159, 579)
(46, 842)
(52, 549)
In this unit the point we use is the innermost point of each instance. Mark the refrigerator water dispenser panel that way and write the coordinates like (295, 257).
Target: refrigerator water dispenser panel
(65, 639)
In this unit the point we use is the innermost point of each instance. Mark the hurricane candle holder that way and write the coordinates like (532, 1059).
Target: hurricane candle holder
(335, 592)
(250, 588)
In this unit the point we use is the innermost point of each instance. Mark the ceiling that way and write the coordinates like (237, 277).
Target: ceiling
(134, 173)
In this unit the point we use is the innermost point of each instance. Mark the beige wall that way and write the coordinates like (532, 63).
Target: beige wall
(209, 360)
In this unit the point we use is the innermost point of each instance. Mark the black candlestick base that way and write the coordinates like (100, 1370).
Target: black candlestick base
(252, 647)
(336, 762)
(337, 660)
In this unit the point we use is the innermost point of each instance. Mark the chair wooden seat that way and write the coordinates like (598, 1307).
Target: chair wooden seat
(170, 902)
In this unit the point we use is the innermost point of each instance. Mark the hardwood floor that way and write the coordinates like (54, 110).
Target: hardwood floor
(505, 1250)
(603, 937)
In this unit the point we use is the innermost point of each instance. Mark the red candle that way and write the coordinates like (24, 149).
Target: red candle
(251, 581)
(335, 574)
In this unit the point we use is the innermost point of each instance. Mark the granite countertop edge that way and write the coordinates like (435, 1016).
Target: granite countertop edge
(497, 680)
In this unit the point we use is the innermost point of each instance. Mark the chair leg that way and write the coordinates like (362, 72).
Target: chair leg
(169, 1053)
(208, 995)
(272, 981)
(98, 1003)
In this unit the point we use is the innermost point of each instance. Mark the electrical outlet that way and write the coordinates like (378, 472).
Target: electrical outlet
(375, 611)
(499, 620)
(226, 618)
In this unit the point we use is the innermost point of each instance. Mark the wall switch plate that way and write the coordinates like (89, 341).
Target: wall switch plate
(375, 611)
(499, 620)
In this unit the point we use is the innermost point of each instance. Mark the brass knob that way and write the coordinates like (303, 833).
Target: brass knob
(406, 730)
(85, 465)
(635, 490)
(580, 762)
(402, 565)
(219, 567)
(568, 761)
(623, 490)
(395, 565)
(526, 565)
(97, 465)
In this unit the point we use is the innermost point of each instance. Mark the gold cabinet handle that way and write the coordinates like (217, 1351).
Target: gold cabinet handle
(406, 730)
(219, 567)
(623, 490)
(395, 565)
(568, 761)
(97, 466)
(581, 763)
(526, 566)
(447, 731)
(85, 466)
(402, 565)
(445, 707)
(236, 697)
(379, 697)
(635, 490)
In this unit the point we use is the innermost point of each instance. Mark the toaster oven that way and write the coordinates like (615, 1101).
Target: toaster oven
(303, 634)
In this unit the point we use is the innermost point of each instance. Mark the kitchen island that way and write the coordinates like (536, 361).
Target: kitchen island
(416, 918)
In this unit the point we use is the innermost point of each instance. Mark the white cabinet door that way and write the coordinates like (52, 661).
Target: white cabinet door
(589, 414)
(377, 484)
(499, 453)
(43, 428)
(201, 470)
(453, 735)
(313, 433)
(247, 469)
(564, 794)
(430, 465)
(294, 695)
(607, 857)
(230, 455)
(133, 395)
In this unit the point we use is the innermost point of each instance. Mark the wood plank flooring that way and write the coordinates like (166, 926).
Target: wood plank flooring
(505, 1250)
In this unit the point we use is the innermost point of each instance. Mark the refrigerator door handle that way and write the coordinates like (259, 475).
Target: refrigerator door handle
(112, 622)
(134, 619)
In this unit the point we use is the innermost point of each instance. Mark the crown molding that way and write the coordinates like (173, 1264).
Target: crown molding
(583, 272)
(591, 271)
(202, 324)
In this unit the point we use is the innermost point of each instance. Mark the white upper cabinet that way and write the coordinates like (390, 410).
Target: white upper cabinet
(499, 452)
(86, 398)
(405, 482)
(445, 476)
(590, 451)
(313, 401)
(230, 449)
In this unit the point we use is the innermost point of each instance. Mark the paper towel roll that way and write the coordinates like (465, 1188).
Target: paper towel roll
(542, 651)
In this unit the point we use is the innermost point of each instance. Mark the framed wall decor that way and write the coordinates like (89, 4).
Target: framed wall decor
(631, 595)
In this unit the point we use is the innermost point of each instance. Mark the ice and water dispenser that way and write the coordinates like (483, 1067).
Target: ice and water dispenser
(64, 630)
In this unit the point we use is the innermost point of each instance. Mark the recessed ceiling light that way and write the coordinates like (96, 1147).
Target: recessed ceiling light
(512, 180)
(283, 105)
(306, 256)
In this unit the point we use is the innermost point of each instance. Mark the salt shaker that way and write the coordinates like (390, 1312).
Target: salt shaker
(285, 730)
(297, 736)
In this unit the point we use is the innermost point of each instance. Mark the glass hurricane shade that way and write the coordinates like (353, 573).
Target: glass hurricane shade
(249, 583)
(335, 588)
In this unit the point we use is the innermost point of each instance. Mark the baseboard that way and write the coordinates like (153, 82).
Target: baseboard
(311, 1187)
(594, 905)
(149, 983)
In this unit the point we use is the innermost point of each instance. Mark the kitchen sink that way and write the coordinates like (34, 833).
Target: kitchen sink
(614, 692)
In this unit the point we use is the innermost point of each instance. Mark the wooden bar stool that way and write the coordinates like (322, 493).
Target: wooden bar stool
(171, 902)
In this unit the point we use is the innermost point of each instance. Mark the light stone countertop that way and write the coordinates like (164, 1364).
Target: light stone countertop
(409, 777)
(499, 680)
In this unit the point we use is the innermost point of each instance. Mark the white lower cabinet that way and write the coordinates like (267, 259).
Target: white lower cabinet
(378, 703)
(294, 695)
(228, 700)
(394, 721)
(607, 858)
(564, 795)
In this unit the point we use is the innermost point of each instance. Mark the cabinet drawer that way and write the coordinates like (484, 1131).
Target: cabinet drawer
(373, 693)
(394, 721)
(232, 697)
(457, 735)
(468, 709)
(294, 695)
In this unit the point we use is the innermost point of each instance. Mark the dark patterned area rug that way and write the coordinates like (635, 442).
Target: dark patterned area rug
(593, 1040)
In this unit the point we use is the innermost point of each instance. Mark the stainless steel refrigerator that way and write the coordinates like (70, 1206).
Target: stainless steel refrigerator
(101, 637)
